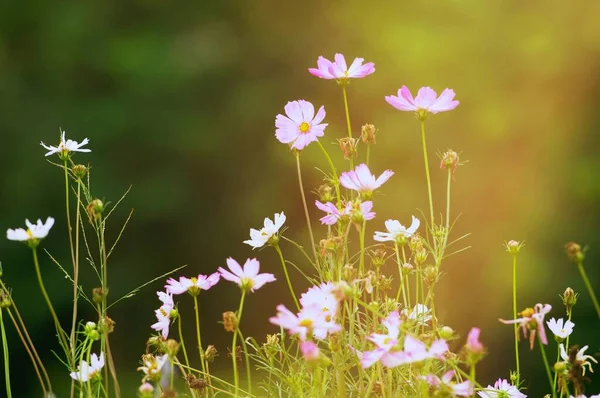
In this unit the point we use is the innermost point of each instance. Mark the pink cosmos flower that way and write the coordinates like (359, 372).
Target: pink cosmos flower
(501, 388)
(300, 127)
(322, 297)
(248, 277)
(385, 343)
(364, 211)
(416, 351)
(473, 343)
(533, 320)
(310, 321)
(463, 389)
(361, 180)
(163, 314)
(192, 285)
(425, 102)
(333, 213)
(310, 351)
(339, 70)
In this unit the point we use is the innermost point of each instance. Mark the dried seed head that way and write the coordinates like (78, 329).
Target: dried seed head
(574, 251)
(172, 348)
(195, 383)
(211, 353)
(230, 321)
(348, 146)
(367, 133)
(325, 193)
(80, 170)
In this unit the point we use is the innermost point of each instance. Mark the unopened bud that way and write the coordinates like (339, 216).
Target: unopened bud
(446, 332)
(95, 209)
(560, 367)
(230, 321)
(449, 161)
(367, 134)
(5, 300)
(98, 295)
(211, 353)
(378, 257)
(146, 390)
(407, 268)
(80, 170)
(574, 252)
(348, 147)
(421, 256)
(569, 298)
(430, 275)
(325, 193)
(513, 246)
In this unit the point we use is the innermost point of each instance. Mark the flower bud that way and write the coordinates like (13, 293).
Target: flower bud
(575, 253)
(211, 353)
(421, 256)
(407, 268)
(415, 243)
(385, 283)
(91, 331)
(446, 332)
(367, 134)
(146, 390)
(349, 273)
(430, 275)
(230, 321)
(98, 295)
(172, 348)
(5, 300)
(513, 247)
(325, 193)
(569, 299)
(80, 170)
(348, 147)
(95, 209)
(449, 161)
(560, 367)
(378, 257)
(106, 325)
(272, 346)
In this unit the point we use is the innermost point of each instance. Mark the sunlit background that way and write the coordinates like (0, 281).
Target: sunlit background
(179, 101)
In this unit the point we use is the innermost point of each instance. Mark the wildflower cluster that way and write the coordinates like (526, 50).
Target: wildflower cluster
(362, 328)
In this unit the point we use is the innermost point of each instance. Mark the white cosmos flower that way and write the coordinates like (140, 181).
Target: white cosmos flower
(560, 328)
(65, 146)
(153, 366)
(420, 313)
(34, 231)
(396, 230)
(270, 229)
(87, 371)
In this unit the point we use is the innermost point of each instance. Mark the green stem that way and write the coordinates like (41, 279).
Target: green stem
(401, 272)
(556, 373)
(59, 330)
(347, 119)
(247, 357)
(75, 274)
(233, 345)
(447, 230)
(200, 349)
(407, 279)
(5, 351)
(425, 158)
(368, 152)
(545, 359)
(516, 330)
(310, 232)
(185, 356)
(472, 376)
(361, 266)
(589, 287)
(334, 171)
(287, 276)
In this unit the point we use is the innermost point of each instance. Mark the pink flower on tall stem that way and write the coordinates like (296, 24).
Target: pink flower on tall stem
(339, 70)
(248, 277)
(501, 388)
(322, 297)
(333, 213)
(300, 126)
(473, 343)
(310, 351)
(192, 285)
(426, 101)
(361, 180)
(532, 320)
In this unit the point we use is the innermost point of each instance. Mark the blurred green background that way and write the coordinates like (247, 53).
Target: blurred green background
(179, 100)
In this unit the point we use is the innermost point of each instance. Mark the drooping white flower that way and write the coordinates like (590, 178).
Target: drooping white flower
(66, 146)
(396, 231)
(420, 313)
(269, 231)
(87, 371)
(560, 328)
(33, 233)
(583, 360)
(163, 314)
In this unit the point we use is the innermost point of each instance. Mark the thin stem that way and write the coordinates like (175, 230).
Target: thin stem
(312, 238)
(401, 272)
(75, 273)
(514, 282)
(347, 118)
(247, 357)
(5, 351)
(425, 158)
(334, 171)
(233, 345)
(361, 266)
(287, 276)
(368, 152)
(59, 330)
(199, 340)
(556, 373)
(33, 360)
(472, 376)
(447, 230)
(589, 287)
(187, 362)
(545, 359)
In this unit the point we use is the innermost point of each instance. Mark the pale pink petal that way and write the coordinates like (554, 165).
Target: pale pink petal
(356, 64)
(364, 70)
(261, 279)
(445, 102)
(293, 111)
(251, 268)
(341, 62)
(370, 357)
(425, 98)
(308, 110)
(383, 178)
(235, 267)
(319, 117)
(229, 276)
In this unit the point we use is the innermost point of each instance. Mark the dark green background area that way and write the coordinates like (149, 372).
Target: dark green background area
(179, 100)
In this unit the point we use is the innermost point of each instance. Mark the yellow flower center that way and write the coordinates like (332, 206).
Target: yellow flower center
(194, 280)
(306, 323)
(29, 233)
(304, 127)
